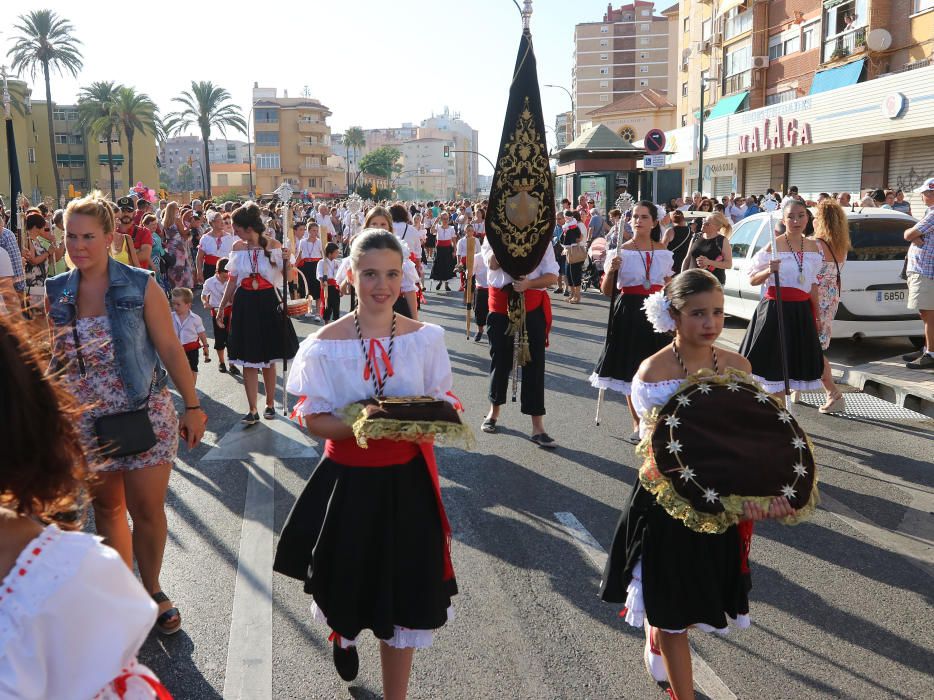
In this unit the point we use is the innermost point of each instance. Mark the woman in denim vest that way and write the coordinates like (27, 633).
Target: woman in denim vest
(111, 325)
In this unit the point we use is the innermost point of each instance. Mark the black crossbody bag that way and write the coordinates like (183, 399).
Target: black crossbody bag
(119, 434)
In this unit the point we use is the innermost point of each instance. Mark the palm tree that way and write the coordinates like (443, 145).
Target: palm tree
(355, 139)
(136, 113)
(46, 41)
(98, 117)
(208, 106)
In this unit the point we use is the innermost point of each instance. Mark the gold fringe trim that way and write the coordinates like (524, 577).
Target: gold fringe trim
(440, 433)
(678, 507)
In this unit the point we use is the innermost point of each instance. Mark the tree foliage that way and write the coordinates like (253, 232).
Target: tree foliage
(382, 162)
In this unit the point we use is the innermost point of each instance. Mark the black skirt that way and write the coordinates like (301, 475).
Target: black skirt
(629, 340)
(259, 333)
(481, 305)
(402, 306)
(442, 269)
(367, 542)
(761, 346)
(688, 578)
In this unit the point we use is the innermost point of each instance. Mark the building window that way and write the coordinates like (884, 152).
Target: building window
(784, 44)
(684, 89)
(644, 41)
(604, 71)
(645, 27)
(783, 96)
(604, 83)
(646, 13)
(61, 138)
(312, 182)
(687, 24)
(604, 57)
(643, 83)
(604, 98)
(31, 154)
(737, 59)
(266, 116)
(58, 115)
(604, 43)
(643, 55)
(267, 161)
(604, 30)
(628, 17)
(222, 180)
(922, 5)
(705, 30)
(72, 115)
(267, 138)
(684, 120)
(809, 36)
(643, 69)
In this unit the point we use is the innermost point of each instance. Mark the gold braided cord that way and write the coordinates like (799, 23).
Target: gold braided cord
(442, 433)
(678, 507)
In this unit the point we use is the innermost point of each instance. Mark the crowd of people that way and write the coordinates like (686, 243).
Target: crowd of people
(116, 283)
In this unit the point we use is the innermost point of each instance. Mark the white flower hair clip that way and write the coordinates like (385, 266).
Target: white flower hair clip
(657, 307)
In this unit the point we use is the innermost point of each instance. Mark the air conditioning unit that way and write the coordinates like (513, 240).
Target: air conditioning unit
(717, 39)
(705, 46)
(684, 67)
(760, 61)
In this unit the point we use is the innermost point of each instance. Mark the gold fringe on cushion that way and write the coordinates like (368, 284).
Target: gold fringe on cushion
(442, 433)
(660, 486)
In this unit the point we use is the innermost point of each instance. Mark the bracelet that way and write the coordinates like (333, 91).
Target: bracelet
(193, 408)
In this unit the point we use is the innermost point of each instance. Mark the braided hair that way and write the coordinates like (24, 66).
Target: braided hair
(248, 216)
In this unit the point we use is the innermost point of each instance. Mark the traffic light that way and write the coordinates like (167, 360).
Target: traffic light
(190, 161)
(447, 151)
(373, 188)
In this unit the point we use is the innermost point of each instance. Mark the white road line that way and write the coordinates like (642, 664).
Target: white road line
(704, 677)
(249, 651)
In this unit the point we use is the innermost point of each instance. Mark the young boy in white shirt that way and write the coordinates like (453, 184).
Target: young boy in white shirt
(330, 289)
(211, 295)
(188, 328)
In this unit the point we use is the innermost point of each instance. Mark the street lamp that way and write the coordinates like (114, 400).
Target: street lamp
(570, 97)
(249, 148)
(700, 135)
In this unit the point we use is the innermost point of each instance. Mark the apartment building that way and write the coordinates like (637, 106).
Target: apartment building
(426, 172)
(228, 151)
(624, 54)
(563, 134)
(292, 144)
(81, 160)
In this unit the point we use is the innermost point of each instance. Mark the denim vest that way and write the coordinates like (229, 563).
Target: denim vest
(136, 358)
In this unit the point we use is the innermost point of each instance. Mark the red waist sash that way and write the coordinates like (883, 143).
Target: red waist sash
(193, 345)
(227, 312)
(641, 291)
(210, 259)
(385, 453)
(333, 283)
(445, 244)
(305, 261)
(262, 283)
(534, 298)
(788, 294)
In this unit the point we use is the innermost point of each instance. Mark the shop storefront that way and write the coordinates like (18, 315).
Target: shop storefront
(878, 133)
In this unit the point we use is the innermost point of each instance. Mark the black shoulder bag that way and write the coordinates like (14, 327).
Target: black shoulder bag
(119, 434)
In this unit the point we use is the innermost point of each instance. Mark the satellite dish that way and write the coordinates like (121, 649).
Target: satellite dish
(686, 54)
(878, 40)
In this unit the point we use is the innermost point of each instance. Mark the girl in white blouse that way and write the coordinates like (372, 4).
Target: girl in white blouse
(72, 615)
(382, 503)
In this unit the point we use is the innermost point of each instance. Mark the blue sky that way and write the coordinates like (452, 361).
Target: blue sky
(376, 64)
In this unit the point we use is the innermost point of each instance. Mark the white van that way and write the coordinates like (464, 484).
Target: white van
(874, 296)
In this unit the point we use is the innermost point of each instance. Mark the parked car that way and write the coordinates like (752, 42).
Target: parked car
(873, 297)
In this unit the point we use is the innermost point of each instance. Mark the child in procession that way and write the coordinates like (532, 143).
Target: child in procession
(211, 295)
(330, 289)
(189, 328)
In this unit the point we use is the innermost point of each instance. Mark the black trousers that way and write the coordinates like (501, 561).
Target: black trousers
(501, 356)
(481, 300)
(310, 270)
(332, 309)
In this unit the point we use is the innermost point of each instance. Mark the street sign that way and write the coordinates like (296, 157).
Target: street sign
(657, 161)
(654, 141)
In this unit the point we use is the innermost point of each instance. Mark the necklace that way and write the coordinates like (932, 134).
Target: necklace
(254, 268)
(713, 350)
(799, 261)
(372, 369)
(647, 264)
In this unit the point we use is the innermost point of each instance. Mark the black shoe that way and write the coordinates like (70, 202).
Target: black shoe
(567, 293)
(544, 440)
(912, 356)
(438, 287)
(222, 368)
(926, 361)
(250, 419)
(269, 413)
(346, 661)
(446, 287)
(488, 425)
(477, 338)
(233, 371)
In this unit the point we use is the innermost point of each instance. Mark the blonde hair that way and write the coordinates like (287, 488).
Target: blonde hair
(830, 226)
(96, 205)
(183, 293)
(170, 215)
(374, 212)
(723, 224)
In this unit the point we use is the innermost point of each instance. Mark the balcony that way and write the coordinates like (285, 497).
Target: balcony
(844, 44)
(313, 149)
(737, 24)
(737, 82)
(312, 170)
(310, 127)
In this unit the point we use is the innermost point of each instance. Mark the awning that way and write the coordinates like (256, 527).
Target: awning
(727, 105)
(117, 159)
(834, 78)
(727, 5)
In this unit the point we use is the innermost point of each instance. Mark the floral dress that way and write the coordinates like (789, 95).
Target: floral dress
(828, 299)
(101, 392)
(181, 274)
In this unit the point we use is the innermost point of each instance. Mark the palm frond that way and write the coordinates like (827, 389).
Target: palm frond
(45, 40)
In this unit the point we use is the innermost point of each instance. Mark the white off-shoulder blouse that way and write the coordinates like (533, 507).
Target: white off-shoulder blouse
(72, 619)
(789, 271)
(633, 264)
(242, 263)
(329, 374)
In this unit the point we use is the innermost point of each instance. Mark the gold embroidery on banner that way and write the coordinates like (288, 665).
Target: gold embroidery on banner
(522, 169)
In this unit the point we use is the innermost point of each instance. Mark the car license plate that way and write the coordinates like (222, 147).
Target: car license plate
(897, 295)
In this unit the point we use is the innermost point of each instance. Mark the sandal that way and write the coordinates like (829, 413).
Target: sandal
(835, 404)
(488, 425)
(162, 622)
(544, 440)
